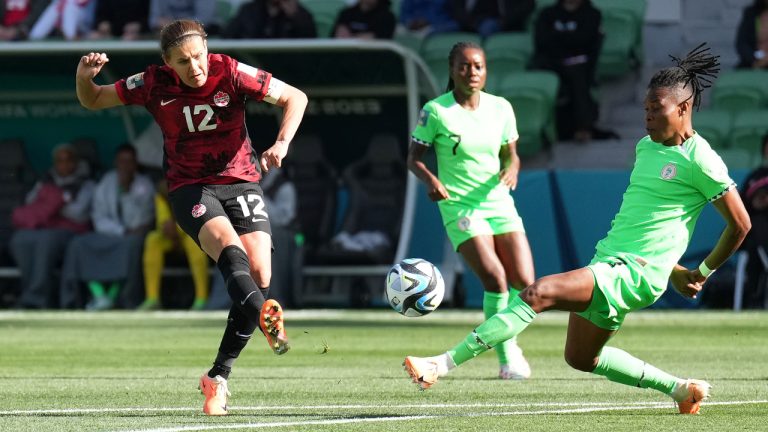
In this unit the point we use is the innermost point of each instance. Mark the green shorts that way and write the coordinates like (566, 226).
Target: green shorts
(464, 228)
(620, 288)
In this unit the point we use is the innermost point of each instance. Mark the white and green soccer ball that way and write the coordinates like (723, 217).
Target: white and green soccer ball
(415, 287)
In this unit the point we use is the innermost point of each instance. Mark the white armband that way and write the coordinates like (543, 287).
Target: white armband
(274, 91)
(704, 270)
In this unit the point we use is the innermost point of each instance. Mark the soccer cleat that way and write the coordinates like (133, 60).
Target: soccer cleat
(423, 372)
(271, 323)
(518, 367)
(690, 395)
(216, 393)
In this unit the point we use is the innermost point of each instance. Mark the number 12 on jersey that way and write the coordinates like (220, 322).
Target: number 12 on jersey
(205, 124)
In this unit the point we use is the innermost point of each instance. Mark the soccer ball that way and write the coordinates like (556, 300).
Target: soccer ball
(415, 287)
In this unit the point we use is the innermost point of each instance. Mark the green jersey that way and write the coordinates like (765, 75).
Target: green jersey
(467, 144)
(668, 188)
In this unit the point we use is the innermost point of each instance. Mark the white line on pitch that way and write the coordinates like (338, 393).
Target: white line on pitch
(352, 420)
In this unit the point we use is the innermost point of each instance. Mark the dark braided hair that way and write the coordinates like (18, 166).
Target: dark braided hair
(457, 48)
(697, 70)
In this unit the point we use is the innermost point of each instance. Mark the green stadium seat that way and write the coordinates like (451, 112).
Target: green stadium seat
(617, 55)
(714, 125)
(435, 48)
(737, 158)
(740, 90)
(324, 12)
(532, 95)
(636, 9)
(508, 52)
(409, 40)
(749, 127)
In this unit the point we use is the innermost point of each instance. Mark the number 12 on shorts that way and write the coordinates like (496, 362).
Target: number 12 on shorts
(256, 209)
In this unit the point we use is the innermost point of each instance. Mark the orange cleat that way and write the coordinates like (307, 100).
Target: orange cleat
(271, 323)
(216, 393)
(423, 372)
(690, 396)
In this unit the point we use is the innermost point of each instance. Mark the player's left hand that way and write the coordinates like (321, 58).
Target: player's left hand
(508, 177)
(274, 155)
(687, 282)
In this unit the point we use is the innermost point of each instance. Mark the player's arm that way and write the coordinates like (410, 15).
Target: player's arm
(90, 94)
(510, 164)
(294, 102)
(731, 208)
(435, 188)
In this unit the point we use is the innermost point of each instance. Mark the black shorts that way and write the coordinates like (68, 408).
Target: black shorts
(241, 203)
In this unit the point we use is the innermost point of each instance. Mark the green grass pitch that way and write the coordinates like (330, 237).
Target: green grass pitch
(128, 371)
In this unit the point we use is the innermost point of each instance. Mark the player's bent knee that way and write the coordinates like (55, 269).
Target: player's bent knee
(581, 363)
(540, 295)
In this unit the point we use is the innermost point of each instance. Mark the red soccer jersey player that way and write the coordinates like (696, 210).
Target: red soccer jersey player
(198, 100)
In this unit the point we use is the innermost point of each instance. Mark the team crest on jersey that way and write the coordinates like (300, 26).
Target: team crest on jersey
(423, 117)
(221, 99)
(669, 171)
(134, 81)
(464, 223)
(198, 210)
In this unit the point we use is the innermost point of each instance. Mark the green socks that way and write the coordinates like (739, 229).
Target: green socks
(505, 325)
(493, 303)
(619, 366)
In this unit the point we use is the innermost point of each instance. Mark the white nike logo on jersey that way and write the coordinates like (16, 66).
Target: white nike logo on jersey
(166, 102)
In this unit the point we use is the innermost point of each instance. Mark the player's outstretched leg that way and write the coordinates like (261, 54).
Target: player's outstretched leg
(271, 322)
(216, 394)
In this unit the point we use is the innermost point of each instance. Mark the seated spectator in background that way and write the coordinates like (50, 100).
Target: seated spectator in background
(18, 16)
(287, 19)
(121, 19)
(122, 214)
(754, 193)
(162, 12)
(56, 208)
(72, 18)
(166, 237)
(567, 41)
(752, 36)
(366, 19)
(425, 17)
(486, 17)
(248, 22)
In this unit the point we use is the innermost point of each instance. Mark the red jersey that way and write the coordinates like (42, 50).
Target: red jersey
(204, 133)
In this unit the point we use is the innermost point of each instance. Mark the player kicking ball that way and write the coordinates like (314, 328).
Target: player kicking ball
(676, 174)
(198, 100)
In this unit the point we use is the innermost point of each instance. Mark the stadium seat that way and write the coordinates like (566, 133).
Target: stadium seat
(749, 127)
(740, 90)
(507, 52)
(435, 49)
(714, 125)
(532, 95)
(324, 12)
(737, 158)
(409, 40)
(623, 43)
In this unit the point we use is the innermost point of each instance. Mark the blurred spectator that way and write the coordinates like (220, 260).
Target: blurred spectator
(122, 19)
(162, 12)
(486, 17)
(56, 208)
(752, 36)
(366, 19)
(166, 237)
(73, 18)
(754, 193)
(426, 17)
(274, 19)
(567, 40)
(18, 16)
(123, 210)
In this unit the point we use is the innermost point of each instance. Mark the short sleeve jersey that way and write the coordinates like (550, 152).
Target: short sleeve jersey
(668, 188)
(204, 132)
(467, 144)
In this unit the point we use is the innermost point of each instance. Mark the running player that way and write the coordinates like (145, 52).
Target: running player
(198, 100)
(676, 174)
(474, 135)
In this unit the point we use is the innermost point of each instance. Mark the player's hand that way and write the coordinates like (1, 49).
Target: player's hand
(508, 177)
(436, 191)
(686, 282)
(90, 65)
(274, 155)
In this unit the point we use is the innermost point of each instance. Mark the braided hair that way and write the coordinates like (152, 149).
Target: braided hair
(697, 70)
(457, 48)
